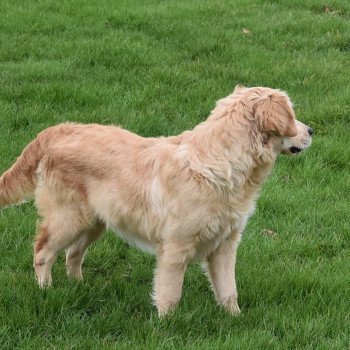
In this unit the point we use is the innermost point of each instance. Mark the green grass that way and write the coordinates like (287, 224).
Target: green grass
(157, 68)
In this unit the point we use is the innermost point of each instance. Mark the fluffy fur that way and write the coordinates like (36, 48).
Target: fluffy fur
(183, 197)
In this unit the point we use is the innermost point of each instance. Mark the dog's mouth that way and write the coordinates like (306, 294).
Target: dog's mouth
(295, 150)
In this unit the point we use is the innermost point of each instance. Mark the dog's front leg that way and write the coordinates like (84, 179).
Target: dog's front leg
(221, 271)
(172, 261)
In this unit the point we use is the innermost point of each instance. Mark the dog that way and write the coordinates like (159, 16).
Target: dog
(182, 198)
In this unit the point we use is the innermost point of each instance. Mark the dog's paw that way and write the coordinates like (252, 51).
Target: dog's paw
(234, 309)
(44, 282)
(165, 309)
(231, 305)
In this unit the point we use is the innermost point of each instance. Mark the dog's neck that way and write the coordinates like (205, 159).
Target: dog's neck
(227, 152)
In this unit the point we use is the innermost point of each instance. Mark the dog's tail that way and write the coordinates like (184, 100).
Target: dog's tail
(18, 182)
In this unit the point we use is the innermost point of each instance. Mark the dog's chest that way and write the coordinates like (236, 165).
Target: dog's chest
(134, 239)
(219, 228)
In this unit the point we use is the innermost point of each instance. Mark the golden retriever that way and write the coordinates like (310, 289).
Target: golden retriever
(183, 198)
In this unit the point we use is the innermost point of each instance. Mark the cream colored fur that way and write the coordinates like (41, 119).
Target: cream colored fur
(184, 198)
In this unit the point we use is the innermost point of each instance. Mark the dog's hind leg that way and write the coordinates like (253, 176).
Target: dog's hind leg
(56, 232)
(75, 253)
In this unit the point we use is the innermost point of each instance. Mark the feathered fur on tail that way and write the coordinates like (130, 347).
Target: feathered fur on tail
(18, 182)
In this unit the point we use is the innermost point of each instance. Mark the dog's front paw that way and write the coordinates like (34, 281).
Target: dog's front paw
(165, 308)
(231, 305)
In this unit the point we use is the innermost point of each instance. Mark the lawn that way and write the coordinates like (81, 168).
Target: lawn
(157, 68)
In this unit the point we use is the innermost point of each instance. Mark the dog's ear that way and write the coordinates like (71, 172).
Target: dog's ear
(238, 88)
(275, 114)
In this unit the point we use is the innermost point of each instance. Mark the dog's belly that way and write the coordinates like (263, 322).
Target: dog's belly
(134, 240)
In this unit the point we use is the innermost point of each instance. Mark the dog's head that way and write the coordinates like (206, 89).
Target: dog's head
(273, 112)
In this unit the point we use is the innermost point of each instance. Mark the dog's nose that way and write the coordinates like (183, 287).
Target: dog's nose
(310, 131)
